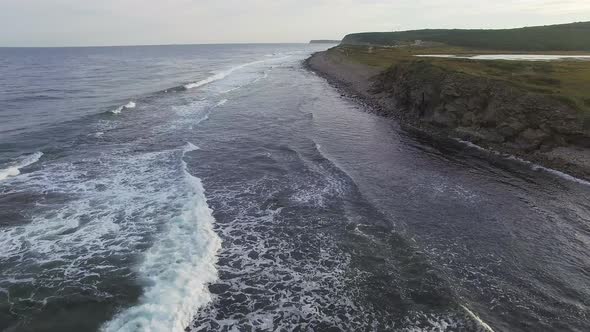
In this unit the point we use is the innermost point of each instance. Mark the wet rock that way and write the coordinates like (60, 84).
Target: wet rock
(531, 139)
(492, 112)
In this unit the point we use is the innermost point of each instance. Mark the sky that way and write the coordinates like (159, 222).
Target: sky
(144, 22)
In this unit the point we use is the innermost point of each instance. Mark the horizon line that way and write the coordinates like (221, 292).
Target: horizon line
(173, 44)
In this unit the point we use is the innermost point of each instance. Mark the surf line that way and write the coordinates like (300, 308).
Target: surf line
(15, 170)
(177, 269)
(223, 74)
(533, 166)
(477, 319)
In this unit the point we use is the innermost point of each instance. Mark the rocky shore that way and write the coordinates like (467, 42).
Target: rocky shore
(489, 113)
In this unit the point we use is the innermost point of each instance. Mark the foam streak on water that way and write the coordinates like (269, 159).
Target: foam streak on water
(177, 268)
(532, 165)
(483, 324)
(112, 232)
(221, 102)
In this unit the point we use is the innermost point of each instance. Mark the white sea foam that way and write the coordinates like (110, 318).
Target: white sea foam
(221, 102)
(99, 210)
(483, 324)
(24, 162)
(557, 173)
(264, 76)
(129, 105)
(109, 209)
(472, 145)
(230, 90)
(533, 166)
(304, 288)
(176, 269)
(190, 115)
(220, 75)
(190, 147)
(223, 74)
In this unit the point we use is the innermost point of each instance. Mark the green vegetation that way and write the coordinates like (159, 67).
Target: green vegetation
(567, 80)
(324, 41)
(562, 37)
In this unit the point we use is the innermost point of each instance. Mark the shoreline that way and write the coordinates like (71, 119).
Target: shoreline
(356, 81)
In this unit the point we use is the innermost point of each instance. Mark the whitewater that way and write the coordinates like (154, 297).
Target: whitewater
(128, 106)
(188, 251)
(227, 188)
(16, 168)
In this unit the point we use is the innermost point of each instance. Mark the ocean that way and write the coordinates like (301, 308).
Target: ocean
(228, 188)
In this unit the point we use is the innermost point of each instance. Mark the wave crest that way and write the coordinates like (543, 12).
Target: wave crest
(220, 76)
(15, 170)
(178, 268)
(129, 105)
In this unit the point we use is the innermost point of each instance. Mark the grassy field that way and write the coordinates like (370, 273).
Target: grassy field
(567, 80)
(561, 37)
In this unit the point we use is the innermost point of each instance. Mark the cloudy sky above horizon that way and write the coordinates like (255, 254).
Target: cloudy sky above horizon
(135, 22)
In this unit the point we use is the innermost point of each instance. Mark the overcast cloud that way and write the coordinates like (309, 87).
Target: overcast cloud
(126, 22)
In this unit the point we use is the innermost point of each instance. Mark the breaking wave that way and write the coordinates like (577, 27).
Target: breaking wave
(224, 74)
(127, 106)
(220, 75)
(190, 147)
(177, 268)
(15, 169)
(481, 323)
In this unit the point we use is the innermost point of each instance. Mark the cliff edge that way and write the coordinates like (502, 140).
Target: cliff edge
(489, 112)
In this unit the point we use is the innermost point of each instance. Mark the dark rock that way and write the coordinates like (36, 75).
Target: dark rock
(493, 112)
(442, 103)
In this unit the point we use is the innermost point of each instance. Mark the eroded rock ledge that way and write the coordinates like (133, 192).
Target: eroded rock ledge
(491, 113)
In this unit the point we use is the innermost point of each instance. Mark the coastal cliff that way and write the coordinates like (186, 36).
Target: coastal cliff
(491, 113)
(324, 41)
(560, 37)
